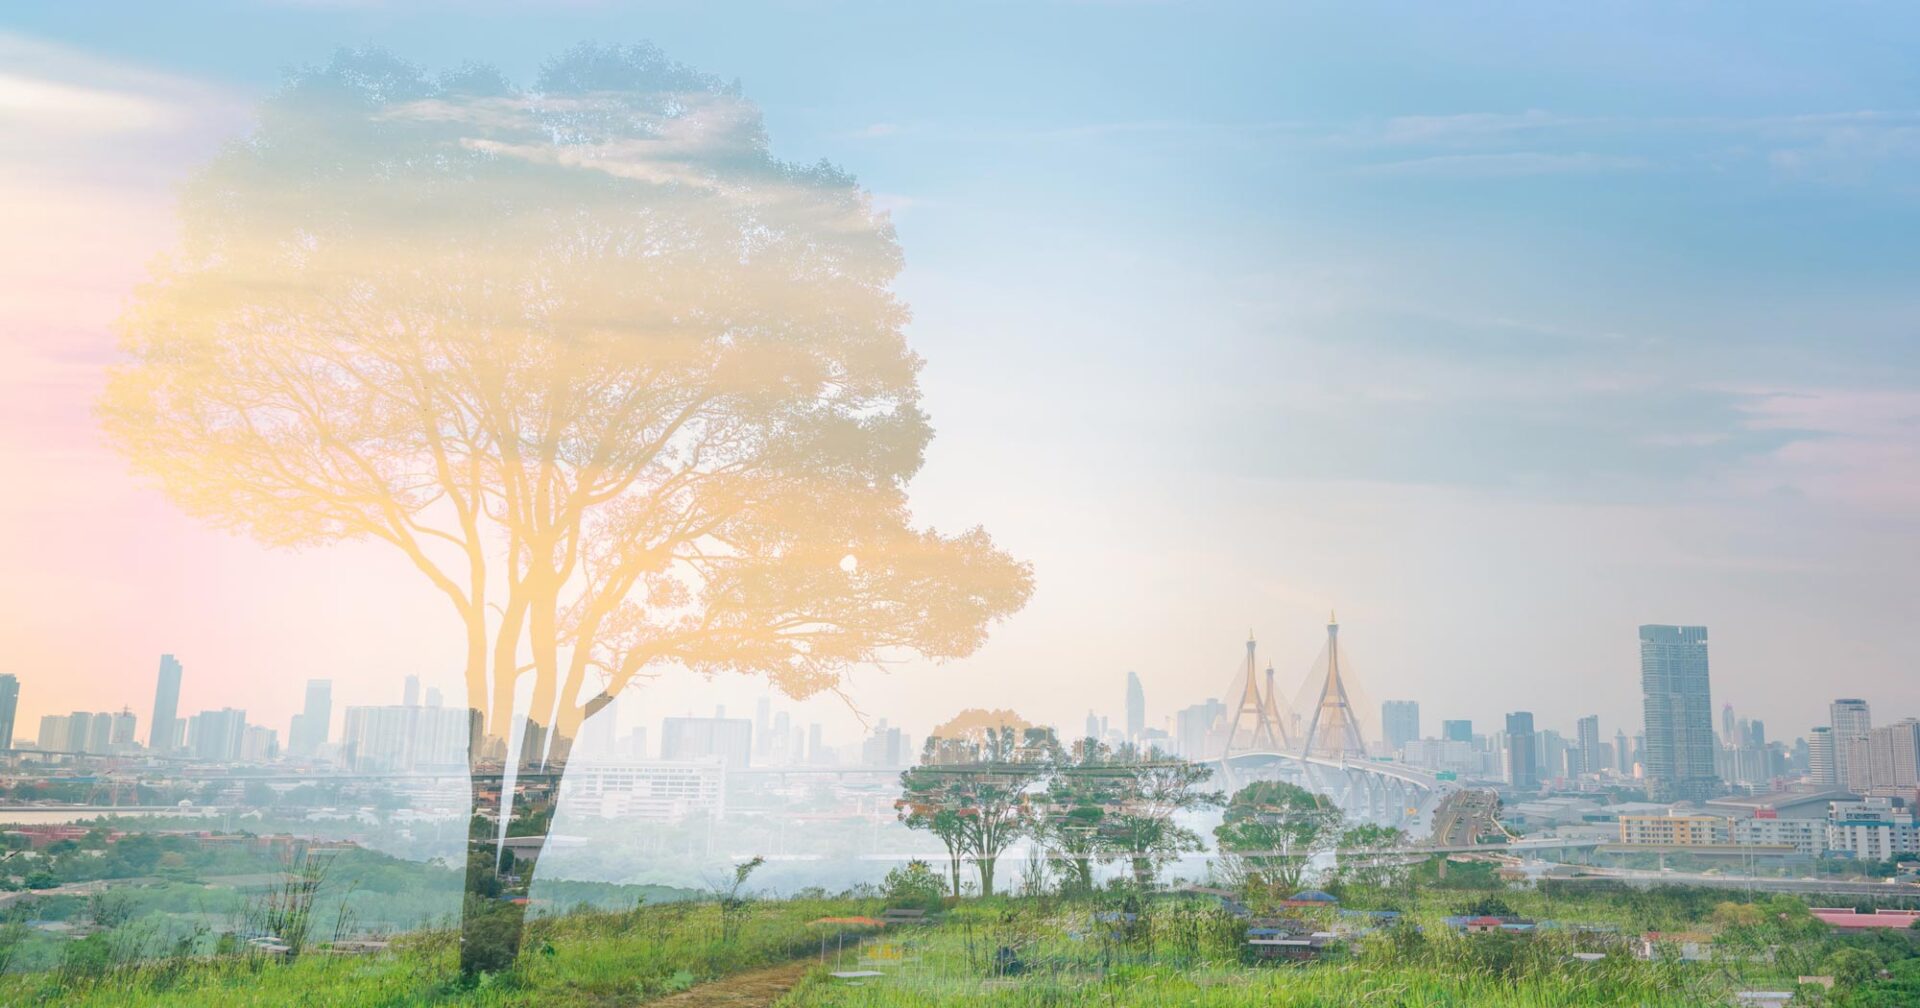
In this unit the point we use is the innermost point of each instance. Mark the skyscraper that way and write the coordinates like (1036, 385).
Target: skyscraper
(1622, 753)
(9, 707)
(79, 731)
(314, 724)
(1399, 723)
(100, 732)
(1820, 759)
(1136, 707)
(217, 735)
(1456, 731)
(695, 738)
(1851, 722)
(1679, 713)
(410, 692)
(162, 734)
(1587, 743)
(1523, 768)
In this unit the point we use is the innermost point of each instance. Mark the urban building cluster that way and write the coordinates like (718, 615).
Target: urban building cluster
(618, 773)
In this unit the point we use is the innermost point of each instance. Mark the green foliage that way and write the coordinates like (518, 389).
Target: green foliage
(1271, 830)
(915, 886)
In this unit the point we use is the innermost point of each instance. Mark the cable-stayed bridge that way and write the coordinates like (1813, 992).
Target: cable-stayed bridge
(1321, 745)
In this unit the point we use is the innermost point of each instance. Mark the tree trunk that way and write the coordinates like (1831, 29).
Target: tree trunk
(985, 864)
(1083, 874)
(498, 876)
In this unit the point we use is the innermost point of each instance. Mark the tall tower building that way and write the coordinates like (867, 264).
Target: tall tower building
(162, 734)
(1456, 731)
(1851, 721)
(313, 726)
(1523, 752)
(1587, 743)
(1136, 707)
(1820, 765)
(1679, 713)
(1399, 723)
(410, 692)
(1622, 753)
(9, 708)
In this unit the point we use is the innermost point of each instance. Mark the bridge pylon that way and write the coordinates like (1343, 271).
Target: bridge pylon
(1256, 724)
(1334, 732)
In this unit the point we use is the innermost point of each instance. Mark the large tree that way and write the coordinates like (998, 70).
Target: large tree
(1270, 833)
(628, 392)
(1070, 816)
(1141, 825)
(975, 792)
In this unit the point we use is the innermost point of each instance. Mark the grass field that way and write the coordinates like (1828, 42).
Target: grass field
(1112, 950)
(581, 959)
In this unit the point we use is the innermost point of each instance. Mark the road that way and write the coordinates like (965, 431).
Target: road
(1643, 878)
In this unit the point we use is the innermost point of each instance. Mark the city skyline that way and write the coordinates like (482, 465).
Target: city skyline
(1414, 327)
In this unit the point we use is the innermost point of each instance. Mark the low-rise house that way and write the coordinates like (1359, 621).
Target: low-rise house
(1311, 898)
(1689, 946)
(1484, 924)
(1291, 946)
(1851, 919)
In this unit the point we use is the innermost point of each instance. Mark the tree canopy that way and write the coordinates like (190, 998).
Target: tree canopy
(630, 392)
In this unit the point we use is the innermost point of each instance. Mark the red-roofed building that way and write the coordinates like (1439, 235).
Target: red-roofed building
(1850, 919)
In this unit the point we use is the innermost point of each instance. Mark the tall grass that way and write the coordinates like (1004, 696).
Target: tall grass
(581, 959)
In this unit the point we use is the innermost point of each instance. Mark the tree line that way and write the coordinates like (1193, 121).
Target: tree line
(985, 784)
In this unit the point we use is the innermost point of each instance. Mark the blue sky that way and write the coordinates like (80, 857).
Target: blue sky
(1502, 328)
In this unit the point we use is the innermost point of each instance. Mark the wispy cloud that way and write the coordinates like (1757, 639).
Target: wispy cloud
(1505, 164)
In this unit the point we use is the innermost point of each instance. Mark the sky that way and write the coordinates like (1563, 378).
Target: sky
(1499, 329)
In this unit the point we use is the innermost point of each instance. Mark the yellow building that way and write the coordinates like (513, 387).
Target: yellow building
(1674, 830)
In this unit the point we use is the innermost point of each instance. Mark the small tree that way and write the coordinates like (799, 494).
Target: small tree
(734, 898)
(1366, 853)
(1070, 817)
(287, 913)
(1271, 830)
(1153, 789)
(976, 798)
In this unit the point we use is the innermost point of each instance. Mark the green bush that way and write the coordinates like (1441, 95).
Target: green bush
(914, 885)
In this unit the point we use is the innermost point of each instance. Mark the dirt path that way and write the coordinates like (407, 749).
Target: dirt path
(752, 989)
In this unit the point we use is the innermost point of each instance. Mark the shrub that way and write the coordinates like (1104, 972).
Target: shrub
(914, 885)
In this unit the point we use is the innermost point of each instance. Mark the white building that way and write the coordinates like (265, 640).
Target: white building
(1807, 836)
(402, 738)
(659, 790)
(1871, 829)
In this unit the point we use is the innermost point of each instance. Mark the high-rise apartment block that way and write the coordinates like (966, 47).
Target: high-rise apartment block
(1821, 768)
(217, 735)
(1586, 746)
(1678, 708)
(1851, 721)
(1522, 755)
(729, 740)
(1399, 723)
